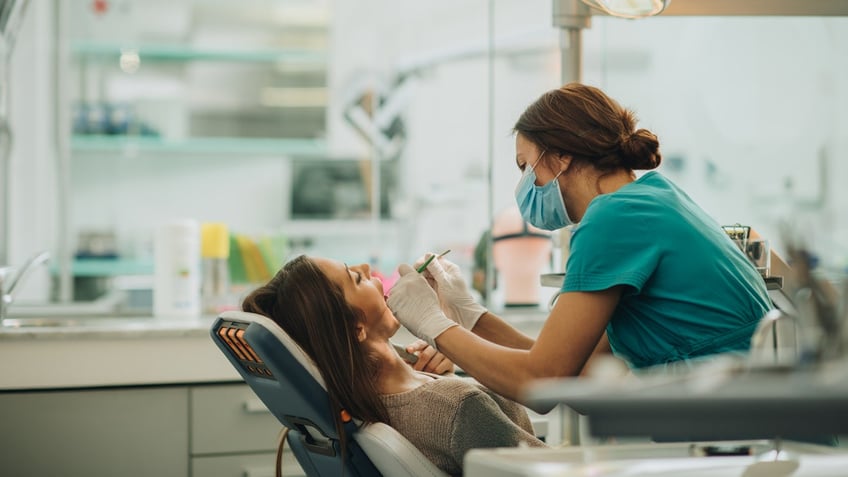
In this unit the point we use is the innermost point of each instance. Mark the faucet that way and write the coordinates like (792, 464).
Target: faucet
(7, 291)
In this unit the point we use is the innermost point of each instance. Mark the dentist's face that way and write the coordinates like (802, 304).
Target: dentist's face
(528, 154)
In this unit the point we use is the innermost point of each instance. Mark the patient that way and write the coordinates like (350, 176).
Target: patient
(338, 315)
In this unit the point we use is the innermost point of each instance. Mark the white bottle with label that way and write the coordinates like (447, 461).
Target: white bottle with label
(176, 285)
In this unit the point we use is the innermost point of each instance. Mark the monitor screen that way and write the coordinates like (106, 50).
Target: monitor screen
(339, 188)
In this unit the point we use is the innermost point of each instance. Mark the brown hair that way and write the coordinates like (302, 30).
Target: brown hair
(313, 311)
(583, 122)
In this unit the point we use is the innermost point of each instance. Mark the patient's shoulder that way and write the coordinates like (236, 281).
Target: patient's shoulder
(451, 389)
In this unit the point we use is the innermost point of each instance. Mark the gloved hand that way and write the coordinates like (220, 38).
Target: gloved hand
(455, 299)
(416, 306)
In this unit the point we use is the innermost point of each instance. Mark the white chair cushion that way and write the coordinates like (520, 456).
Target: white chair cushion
(392, 454)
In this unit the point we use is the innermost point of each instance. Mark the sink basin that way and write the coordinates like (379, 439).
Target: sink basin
(107, 311)
(107, 306)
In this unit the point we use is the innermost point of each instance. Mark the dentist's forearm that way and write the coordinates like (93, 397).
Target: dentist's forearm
(493, 328)
(503, 370)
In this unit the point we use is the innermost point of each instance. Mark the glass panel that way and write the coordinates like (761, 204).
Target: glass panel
(527, 64)
(411, 83)
(749, 112)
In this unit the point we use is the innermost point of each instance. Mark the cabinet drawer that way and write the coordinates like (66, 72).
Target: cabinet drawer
(230, 418)
(131, 432)
(244, 465)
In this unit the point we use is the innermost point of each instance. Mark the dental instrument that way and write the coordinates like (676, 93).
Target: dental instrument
(424, 266)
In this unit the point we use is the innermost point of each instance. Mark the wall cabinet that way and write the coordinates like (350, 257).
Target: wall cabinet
(197, 430)
(217, 111)
(180, 109)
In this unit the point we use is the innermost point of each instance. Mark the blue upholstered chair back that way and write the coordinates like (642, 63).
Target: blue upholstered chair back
(286, 380)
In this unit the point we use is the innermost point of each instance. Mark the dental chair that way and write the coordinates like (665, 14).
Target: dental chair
(286, 380)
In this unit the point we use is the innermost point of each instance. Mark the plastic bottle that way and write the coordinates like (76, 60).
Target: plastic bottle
(176, 285)
(215, 251)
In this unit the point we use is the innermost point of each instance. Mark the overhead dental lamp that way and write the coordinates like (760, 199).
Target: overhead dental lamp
(629, 8)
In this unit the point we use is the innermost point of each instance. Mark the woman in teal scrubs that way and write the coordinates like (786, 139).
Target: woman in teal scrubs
(650, 275)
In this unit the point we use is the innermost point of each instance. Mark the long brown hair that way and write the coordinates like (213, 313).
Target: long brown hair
(313, 311)
(583, 122)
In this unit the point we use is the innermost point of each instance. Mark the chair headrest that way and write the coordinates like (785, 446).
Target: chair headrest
(284, 338)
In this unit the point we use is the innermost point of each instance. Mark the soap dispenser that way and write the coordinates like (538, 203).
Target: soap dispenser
(176, 284)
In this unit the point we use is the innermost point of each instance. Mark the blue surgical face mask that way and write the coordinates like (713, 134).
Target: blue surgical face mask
(541, 206)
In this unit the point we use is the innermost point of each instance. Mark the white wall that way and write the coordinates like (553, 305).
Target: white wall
(747, 105)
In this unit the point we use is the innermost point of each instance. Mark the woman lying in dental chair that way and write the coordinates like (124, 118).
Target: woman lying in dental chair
(338, 315)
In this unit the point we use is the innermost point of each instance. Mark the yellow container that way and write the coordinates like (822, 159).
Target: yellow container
(215, 240)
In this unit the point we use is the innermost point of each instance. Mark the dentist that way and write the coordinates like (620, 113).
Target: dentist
(650, 276)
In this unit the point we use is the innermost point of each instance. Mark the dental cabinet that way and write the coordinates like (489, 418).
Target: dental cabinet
(149, 397)
(176, 430)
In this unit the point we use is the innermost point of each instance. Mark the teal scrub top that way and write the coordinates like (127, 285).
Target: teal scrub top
(689, 291)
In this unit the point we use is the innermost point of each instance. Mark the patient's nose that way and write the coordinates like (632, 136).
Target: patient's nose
(365, 269)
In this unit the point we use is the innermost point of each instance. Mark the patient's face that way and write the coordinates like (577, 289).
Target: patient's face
(364, 292)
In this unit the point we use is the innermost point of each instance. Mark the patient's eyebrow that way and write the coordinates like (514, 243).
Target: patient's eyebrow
(348, 272)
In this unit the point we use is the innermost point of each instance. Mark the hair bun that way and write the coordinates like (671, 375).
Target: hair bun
(640, 150)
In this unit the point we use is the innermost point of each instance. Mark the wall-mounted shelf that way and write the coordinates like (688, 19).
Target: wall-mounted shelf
(154, 52)
(106, 267)
(151, 144)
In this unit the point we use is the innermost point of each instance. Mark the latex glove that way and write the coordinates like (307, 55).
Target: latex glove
(454, 296)
(416, 306)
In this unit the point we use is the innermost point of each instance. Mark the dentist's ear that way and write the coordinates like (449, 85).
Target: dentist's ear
(564, 162)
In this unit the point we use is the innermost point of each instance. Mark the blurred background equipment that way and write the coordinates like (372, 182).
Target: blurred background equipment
(521, 254)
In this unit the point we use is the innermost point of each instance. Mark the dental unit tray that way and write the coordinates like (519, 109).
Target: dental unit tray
(707, 405)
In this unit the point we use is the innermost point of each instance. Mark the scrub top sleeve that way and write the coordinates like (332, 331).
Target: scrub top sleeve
(613, 245)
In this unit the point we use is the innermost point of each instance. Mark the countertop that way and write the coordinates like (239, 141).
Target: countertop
(125, 327)
(133, 351)
(125, 351)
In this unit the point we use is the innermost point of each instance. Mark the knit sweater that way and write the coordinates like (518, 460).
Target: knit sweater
(448, 416)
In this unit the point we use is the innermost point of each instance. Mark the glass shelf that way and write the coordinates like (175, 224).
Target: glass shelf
(188, 53)
(108, 267)
(252, 146)
(337, 227)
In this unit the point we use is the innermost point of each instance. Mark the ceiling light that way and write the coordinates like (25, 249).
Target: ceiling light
(629, 8)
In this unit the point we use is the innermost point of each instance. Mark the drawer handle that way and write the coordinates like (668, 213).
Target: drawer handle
(255, 406)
